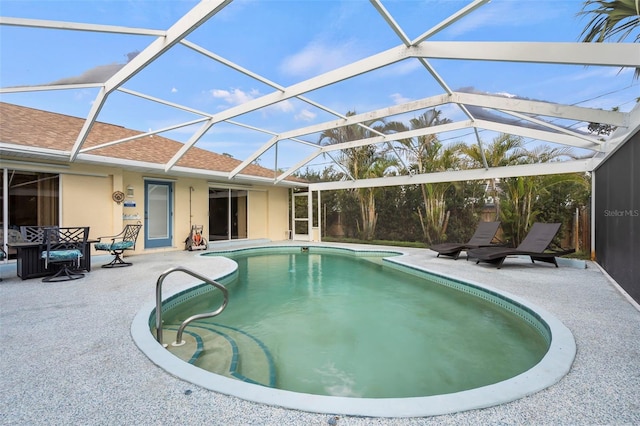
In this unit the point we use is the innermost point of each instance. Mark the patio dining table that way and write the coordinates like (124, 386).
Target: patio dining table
(30, 264)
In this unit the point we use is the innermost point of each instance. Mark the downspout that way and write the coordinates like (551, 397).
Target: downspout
(310, 214)
(319, 212)
(292, 222)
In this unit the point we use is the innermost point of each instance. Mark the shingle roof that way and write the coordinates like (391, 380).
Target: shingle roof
(48, 130)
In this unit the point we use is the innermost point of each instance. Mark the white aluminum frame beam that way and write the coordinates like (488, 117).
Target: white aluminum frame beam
(142, 135)
(263, 80)
(74, 26)
(551, 126)
(450, 20)
(407, 42)
(331, 77)
(543, 52)
(615, 118)
(194, 111)
(183, 27)
(581, 54)
(255, 76)
(575, 166)
(347, 121)
(392, 23)
(604, 54)
(559, 138)
(378, 139)
(526, 106)
(45, 88)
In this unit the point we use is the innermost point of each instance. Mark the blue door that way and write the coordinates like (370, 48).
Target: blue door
(158, 214)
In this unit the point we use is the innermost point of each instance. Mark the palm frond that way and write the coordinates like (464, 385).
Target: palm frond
(614, 20)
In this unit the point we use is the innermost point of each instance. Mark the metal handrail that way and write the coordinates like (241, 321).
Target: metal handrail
(179, 341)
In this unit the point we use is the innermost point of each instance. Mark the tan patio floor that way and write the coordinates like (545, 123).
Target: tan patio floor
(68, 356)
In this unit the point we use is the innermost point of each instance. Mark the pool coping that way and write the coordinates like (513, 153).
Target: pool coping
(555, 364)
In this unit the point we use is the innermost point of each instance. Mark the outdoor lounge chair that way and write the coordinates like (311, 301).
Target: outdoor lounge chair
(534, 245)
(483, 236)
(125, 240)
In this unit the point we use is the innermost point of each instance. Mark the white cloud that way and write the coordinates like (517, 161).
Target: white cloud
(81, 95)
(506, 94)
(238, 96)
(174, 90)
(305, 115)
(235, 96)
(504, 14)
(399, 99)
(318, 58)
(282, 106)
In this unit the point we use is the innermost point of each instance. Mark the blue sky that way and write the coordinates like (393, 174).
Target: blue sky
(288, 42)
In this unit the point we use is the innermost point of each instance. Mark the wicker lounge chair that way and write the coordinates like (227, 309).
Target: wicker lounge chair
(483, 236)
(535, 245)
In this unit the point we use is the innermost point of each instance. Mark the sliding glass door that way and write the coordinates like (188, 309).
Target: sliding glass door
(227, 214)
(31, 198)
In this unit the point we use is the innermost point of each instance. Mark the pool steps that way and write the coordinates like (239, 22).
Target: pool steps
(159, 304)
(222, 349)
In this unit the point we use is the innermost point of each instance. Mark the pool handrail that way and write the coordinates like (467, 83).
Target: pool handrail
(179, 341)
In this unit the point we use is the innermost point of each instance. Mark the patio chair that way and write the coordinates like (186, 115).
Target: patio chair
(32, 233)
(3, 255)
(484, 235)
(535, 245)
(62, 248)
(12, 237)
(125, 240)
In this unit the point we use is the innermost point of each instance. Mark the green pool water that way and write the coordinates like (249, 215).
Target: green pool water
(346, 325)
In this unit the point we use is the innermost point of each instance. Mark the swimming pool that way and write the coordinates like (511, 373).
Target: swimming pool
(445, 383)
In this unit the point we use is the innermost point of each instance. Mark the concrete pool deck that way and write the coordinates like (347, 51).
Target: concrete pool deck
(68, 356)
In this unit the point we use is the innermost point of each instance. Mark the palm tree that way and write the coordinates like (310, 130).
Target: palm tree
(367, 196)
(611, 19)
(427, 154)
(416, 148)
(504, 150)
(436, 213)
(517, 212)
(363, 162)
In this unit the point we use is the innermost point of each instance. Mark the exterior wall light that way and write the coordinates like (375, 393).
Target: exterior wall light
(129, 191)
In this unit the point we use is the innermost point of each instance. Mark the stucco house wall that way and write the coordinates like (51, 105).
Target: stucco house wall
(86, 186)
(86, 200)
(269, 214)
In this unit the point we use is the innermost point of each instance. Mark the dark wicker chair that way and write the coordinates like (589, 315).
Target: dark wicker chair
(535, 245)
(483, 236)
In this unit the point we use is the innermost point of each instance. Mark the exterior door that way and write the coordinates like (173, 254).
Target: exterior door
(158, 214)
(227, 214)
(301, 216)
